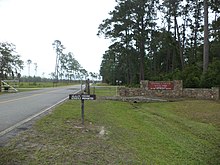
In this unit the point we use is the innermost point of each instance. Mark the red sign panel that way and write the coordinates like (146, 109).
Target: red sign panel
(160, 85)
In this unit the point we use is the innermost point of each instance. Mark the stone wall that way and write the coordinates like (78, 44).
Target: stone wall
(201, 93)
(177, 92)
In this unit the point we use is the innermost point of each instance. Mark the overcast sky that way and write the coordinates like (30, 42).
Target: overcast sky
(33, 25)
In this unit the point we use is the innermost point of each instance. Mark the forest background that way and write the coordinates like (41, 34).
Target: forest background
(150, 40)
(163, 40)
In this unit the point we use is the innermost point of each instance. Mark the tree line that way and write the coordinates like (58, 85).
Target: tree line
(10, 62)
(162, 40)
(66, 68)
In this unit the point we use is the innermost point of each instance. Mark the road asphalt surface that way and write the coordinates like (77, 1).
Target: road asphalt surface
(19, 108)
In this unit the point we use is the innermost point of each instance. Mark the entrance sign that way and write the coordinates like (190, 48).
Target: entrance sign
(89, 97)
(75, 96)
(160, 85)
(82, 97)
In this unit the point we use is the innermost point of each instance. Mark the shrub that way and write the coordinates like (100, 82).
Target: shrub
(212, 77)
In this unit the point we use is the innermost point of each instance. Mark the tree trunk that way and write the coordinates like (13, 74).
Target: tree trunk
(155, 63)
(194, 55)
(142, 53)
(169, 56)
(179, 43)
(142, 50)
(206, 39)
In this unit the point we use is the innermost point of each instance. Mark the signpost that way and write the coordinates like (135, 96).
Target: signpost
(82, 97)
(161, 85)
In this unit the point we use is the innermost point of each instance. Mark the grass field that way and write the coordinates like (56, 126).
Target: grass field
(29, 86)
(43, 84)
(182, 132)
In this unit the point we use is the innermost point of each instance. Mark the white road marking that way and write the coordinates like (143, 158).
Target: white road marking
(31, 117)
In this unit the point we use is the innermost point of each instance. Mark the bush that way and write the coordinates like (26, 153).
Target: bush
(212, 77)
(191, 76)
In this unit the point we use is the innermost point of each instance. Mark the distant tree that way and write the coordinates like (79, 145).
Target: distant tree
(72, 66)
(10, 62)
(29, 65)
(67, 67)
(35, 68)
(52, 75)
(83, 73)
(93, 75)
(59, 51)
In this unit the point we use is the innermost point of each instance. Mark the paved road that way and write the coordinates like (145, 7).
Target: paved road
(18, 108)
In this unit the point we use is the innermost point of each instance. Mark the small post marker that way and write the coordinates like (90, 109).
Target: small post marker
(88, 86)
(82, 97)
(82, 110)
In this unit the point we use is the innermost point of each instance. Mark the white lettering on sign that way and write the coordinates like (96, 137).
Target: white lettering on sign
(88, 97)
(161, 85)
(82, 97)
(76, 97)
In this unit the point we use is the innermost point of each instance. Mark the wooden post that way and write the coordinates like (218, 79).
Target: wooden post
(93, 90)
(82, 97)
(82, 108)
(88, 87)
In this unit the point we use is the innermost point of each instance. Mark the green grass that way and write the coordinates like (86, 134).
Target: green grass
(43, 84)
(30, 86)
(184, 132)
(104, 90)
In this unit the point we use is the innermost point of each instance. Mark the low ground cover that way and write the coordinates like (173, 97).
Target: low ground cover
(181, 132)
(44, 84)
(29, 86)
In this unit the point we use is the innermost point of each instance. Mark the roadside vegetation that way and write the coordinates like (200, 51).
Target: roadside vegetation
(45, 84)
(29, 86)
(161, 41)
(181, 132)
